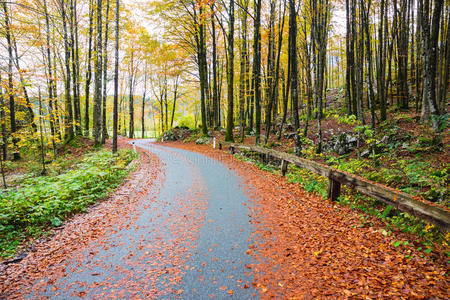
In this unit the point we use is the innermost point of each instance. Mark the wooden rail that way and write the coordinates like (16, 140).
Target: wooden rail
(439, 216)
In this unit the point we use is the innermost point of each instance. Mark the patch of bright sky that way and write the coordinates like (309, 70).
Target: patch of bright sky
(137, 8)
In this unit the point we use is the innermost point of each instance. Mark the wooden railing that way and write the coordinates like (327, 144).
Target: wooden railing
(439, 216)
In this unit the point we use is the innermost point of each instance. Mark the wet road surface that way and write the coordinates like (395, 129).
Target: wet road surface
(188, 241)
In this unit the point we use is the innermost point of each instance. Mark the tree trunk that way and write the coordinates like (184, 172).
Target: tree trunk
(294, 72)
(430, 42)
(175, 98)
(216, 108)
(230, 75)
(116, 80)
(75, 65)
(51, 82)
(10, 91)
(3, 123)
(97, 122)
(105, 75)
(68, 109)
(89, 70)
(256, 77)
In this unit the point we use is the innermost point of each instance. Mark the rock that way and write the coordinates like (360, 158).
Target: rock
(342, 143)
(202, 141)
(365, 153)
(290, 135)
(175, 134)
(384, 139)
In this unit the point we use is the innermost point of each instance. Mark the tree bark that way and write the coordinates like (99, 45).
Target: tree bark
(116, 79)
(89, 70)
(256, 77)
(68, 109)
(230, 75)
(105, 75)
(10, 91)
(97, 122)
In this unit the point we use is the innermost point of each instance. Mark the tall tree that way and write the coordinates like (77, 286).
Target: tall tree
(215, 95)
(10, 91)
(105, 74)
(256, 72)
(320, 28)
(88, 69)
(230, 74)
(430, 34)
(68, 110)
(116, 79)
(294, 72)
(98, 78)
(73, 24)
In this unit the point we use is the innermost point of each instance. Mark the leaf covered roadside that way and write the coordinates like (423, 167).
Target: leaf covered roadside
(50, 258)
(310, 247)
(48, 200)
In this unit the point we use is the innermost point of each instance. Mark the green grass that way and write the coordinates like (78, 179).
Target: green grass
(28, 209)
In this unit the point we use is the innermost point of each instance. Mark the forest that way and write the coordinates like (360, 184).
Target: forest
(258, 66)
(358, 85)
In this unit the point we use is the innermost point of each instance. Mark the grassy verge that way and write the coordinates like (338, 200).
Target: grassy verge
(37, 203)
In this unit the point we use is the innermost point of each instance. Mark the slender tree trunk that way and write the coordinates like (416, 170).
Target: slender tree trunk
(274, 90)
(105, 75)
(256, 78)
(3, 123)
(201, 58)
(41, 130)
(51, 82)
(89, 70)
(175, 98)
(116, 79)
(216, 108)
(143, 101)
(244, 64)
(270, 71)
(75, 65)
(320, 30)
(10, 91)
(3, 156)
(230, 75)
(294, 73)
(97, 122)
(370, 92)
(381, 73)
(131, 99)
(68, 114)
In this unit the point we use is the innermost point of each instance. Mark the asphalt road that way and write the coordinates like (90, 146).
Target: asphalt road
(189, 240)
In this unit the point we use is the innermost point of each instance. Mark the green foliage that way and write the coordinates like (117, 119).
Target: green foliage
(187, 121)
(310, 181)
(48, 200)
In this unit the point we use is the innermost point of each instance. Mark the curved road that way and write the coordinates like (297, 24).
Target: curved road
(189, 240)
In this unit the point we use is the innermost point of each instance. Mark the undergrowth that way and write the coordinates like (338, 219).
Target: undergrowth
(39, 202)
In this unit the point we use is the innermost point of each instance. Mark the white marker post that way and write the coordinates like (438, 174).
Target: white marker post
(214, 142)
(134, 146)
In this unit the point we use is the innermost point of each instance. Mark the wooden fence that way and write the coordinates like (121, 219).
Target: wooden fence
(439, 216)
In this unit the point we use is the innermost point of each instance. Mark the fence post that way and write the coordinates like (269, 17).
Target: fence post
(284, 167)
(334, 188)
